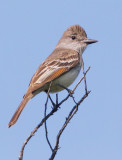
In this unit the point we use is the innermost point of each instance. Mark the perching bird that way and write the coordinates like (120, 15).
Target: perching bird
(61, 67)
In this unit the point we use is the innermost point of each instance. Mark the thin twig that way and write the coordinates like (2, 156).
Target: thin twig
(45, 124)
(84, 74)
(34, 131)
(70, 116)
(51, 113)
(72, 112)
(80, 80)
(74, 87)
(64, 100)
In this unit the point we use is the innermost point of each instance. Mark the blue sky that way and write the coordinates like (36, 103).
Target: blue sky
(29, 31)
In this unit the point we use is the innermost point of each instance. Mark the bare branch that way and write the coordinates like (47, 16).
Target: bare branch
(35, 130)
(54, 109)
(84, 74)
(70, 116)
(46, 132)
(72, 112)
(80, 80)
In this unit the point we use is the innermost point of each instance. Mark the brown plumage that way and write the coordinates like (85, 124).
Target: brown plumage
(76, 30)
(34, 88)
(61, 67)
(19, 110)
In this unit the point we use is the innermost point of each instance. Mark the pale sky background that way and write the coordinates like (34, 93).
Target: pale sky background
(29, 31)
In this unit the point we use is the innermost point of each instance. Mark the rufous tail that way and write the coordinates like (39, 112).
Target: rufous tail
(19, 110)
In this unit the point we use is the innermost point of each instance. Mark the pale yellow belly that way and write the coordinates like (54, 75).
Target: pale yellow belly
(65, 80)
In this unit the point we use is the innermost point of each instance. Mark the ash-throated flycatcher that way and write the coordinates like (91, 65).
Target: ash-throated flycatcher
(61, 67)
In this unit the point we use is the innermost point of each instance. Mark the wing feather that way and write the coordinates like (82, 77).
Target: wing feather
(59, 62)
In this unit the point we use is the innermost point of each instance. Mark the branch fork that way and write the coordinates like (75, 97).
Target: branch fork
(55, 108)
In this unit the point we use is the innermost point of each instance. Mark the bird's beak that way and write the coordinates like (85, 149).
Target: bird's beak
(89, 41)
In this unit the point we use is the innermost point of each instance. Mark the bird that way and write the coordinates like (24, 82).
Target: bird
(60, 68)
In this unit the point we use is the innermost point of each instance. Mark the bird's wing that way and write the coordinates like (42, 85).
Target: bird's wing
(59, 62)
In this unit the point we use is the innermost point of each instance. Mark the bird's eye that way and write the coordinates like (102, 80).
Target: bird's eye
(73, 37)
